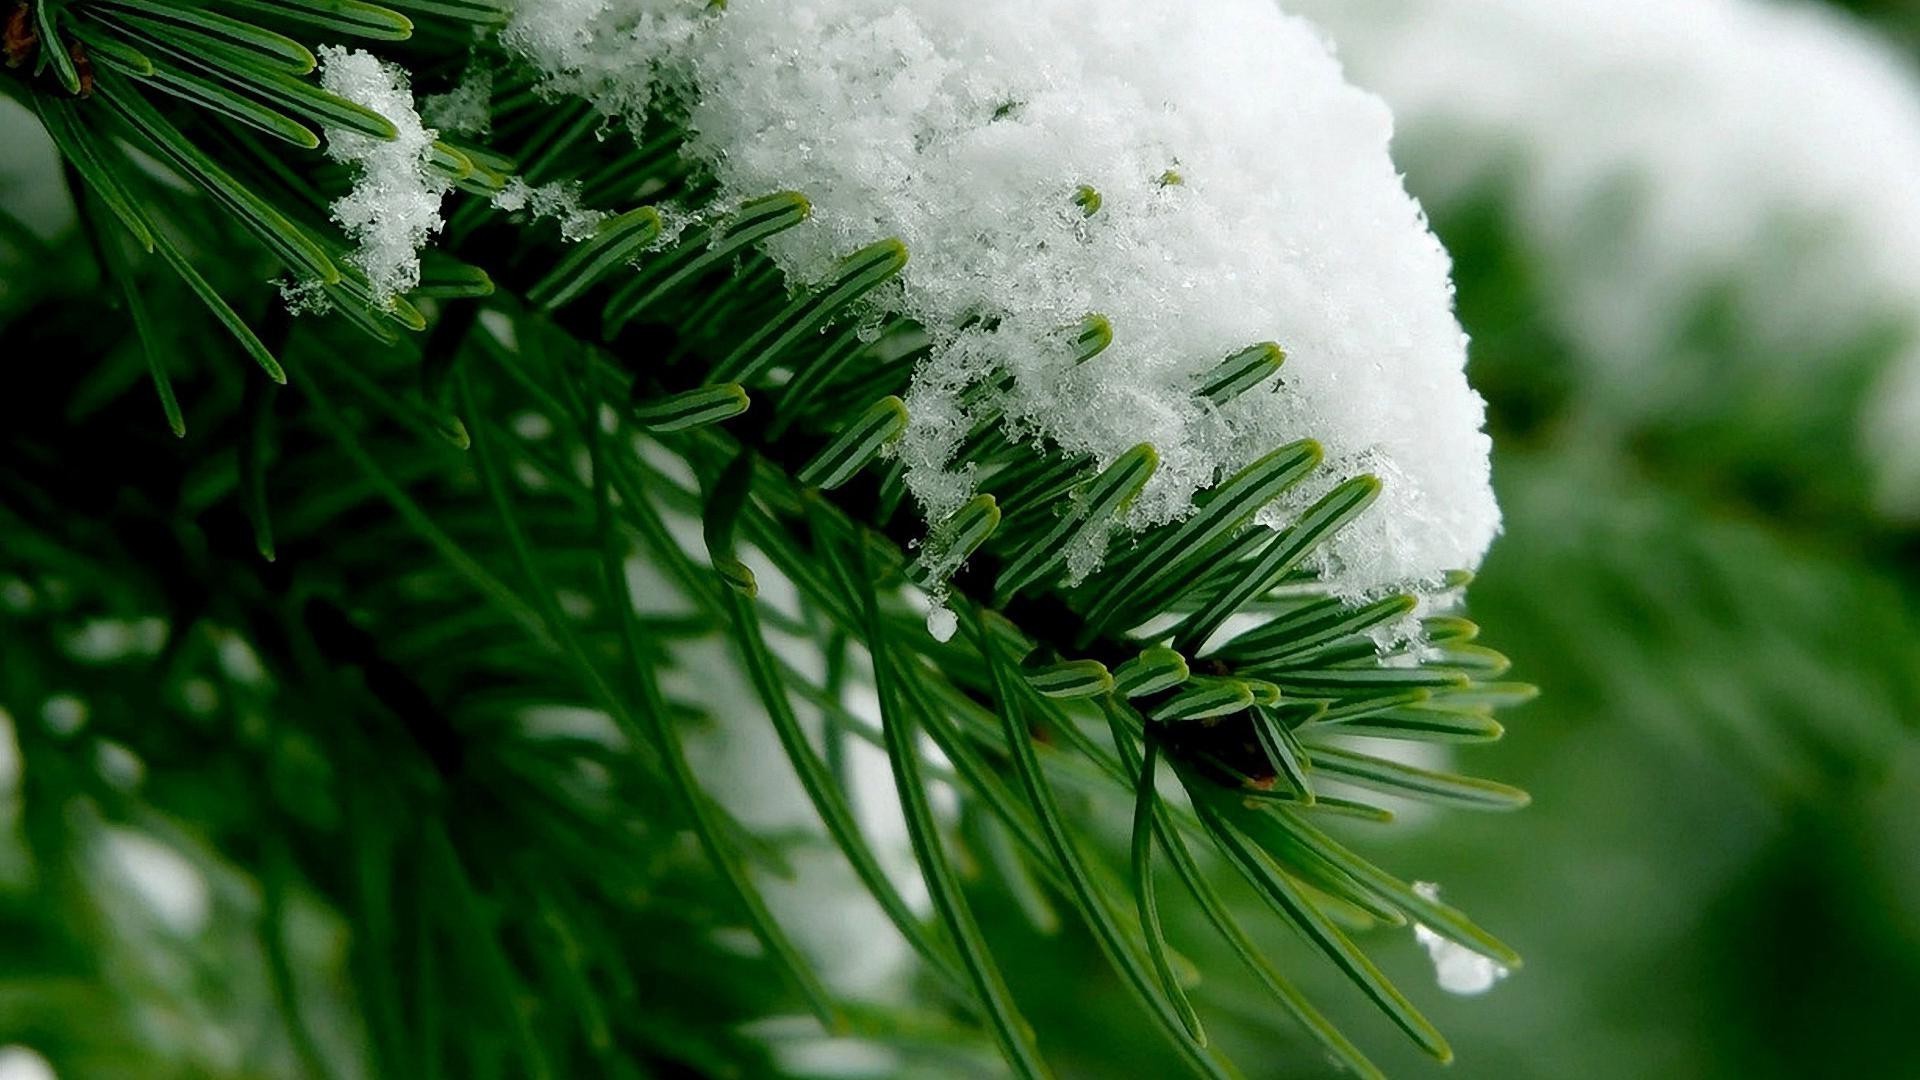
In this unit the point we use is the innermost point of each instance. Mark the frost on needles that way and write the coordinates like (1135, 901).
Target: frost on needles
(1244, 194)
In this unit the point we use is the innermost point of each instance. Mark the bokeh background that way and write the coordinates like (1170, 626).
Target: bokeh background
(1687, 247)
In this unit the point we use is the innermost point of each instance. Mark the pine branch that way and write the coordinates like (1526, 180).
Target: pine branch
(426, 552)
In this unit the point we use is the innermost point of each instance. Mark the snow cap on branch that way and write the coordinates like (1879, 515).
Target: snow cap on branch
(1245, 194)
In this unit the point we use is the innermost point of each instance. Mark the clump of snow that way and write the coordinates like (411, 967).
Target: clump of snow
(394, 207)
(467, 108)
(1456, 968)
(304, 296)
(969, 131)
(1653, 150)
(559, 201)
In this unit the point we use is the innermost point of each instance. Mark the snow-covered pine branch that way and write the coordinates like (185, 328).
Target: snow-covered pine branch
(1244, 194)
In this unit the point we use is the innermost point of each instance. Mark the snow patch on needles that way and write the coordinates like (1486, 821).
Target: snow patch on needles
(1456, 968)
(394, 207)
(467, 108)
(1244, 194)
(1655, 149)
(613, 53)
(559, 201)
